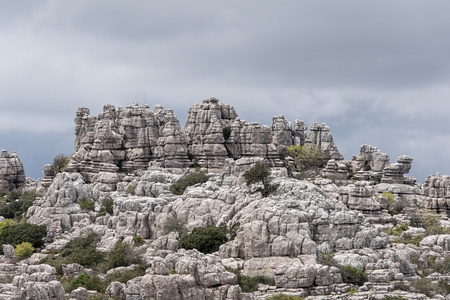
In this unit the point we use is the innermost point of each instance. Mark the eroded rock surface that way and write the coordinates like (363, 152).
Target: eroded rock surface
(12, 174)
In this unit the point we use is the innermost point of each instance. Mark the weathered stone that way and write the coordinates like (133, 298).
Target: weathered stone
(323, 139)
(10, 255)
(12, 174)
(394, 173)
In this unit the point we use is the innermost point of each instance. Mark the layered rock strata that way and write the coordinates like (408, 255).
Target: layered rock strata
(12, 174)
(124, 140)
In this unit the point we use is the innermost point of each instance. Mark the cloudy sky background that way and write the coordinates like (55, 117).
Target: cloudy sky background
(377, 72)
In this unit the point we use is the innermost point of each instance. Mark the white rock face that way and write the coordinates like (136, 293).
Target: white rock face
(12, 174)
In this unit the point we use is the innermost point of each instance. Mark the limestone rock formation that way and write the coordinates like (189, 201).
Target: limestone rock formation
(48, 176)
(10, 255)
(12, 174)
(370, 158)
(59, 209)
(124, 140)
(321, 136)
(436, 192)
(183, 275)
(37, 282)
(395, 173)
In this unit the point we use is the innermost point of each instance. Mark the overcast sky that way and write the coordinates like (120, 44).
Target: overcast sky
(377, 72)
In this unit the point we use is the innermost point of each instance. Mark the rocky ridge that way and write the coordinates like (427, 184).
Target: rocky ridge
(300, 235)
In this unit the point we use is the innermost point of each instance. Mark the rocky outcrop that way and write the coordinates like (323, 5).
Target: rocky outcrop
(12, 174)
(182, 275)
(321, 136)
(436, 194)
(60, 208)
(124, 140)
(370, 159)
(37, 282)
(395, 173)
(48, 176)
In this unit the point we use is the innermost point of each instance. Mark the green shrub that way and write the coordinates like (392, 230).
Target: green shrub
(397, 230)
(430, 221)
(444, 266)
(327, 259)
(389, 196)
(122, 255)
(20, 233)
(205, 239)
(7, 222)
(108, 205)
(260, 173)
(86, 204)
(173, 224)
(284, 297)
(24, 250)
(250, 284)
(409, 239)
(131, 190)
(60, 163)
(190, 179)
(226, 132)
(124, 276)
(367, 167)
(423, 286)
(306, 157)
(95, 283)
(376, 178)
(17, 204)
(393, 298)
(138, 241)
(353, 275)
(80, 250)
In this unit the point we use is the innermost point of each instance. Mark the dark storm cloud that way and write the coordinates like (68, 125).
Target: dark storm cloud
(376, 71)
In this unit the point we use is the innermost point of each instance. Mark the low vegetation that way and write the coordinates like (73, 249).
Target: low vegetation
(260, 174)
(14, 205)
(86, 204)
(353, 275)
(250, 284)
(60, 163)
(15, 234)
(285, 297)
(306, 157)
(205, 239)
(349, 274)
(95, 283)
(24, 250)
(82, 251)
(187, 180)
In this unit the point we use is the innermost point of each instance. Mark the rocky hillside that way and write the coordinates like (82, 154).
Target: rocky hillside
(224, 209)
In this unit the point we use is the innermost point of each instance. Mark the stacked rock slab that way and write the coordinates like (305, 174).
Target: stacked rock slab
(124, 140)
(205, 131)
(372, 157)
(12, 174)
(436, 192)
(395, 173)
(323, 139)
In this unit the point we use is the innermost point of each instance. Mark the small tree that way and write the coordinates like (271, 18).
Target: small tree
(260, 173)
(190, 179)
(60, 163)
(20, 233)
(24, 250)
(306, 157)
(205, 239)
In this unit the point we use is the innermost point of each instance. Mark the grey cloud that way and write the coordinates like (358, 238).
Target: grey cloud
(376, 71)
